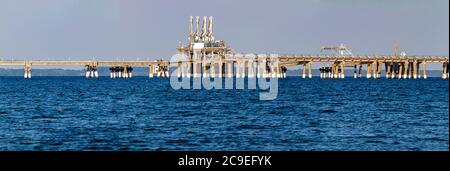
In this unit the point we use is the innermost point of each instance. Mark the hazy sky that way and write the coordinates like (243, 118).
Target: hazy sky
(130, 29)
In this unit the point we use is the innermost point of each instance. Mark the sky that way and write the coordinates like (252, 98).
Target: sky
(151, 29)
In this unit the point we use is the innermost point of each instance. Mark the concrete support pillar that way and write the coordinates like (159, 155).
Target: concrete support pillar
(342, 70)
(336, 71)
(91, 71)
(329, 72)
(251, 69)
(96, 71)
(380, 68)
(188, 70)
(125, 72)
(190, 64)
(244, 68)
(183, 69)
(360, 70)
(322, 72)
(111, 72)
(88, 71)
(424, 67)
(304, 71)
(27, 71)
(447, 70)
(355, 74)
(120, 74)
(130, 72)
(150, 71)
(332, 71)
(410, 70)
(203, 64)
(195, 67)
(400, 70)
(405, 74)
(374, 70)
(183, 65)
(265, 72)
(204, 70)
(212, 70)
(369, 70)
(310, 70)
(278, 72)
(419, 74)
(179, 69)
(393, 70)
(444, 70)
(387, 68)
(238, 69)
(415, 70)
(258, 69)
(167, 70)
(229, 69)
(221, 68)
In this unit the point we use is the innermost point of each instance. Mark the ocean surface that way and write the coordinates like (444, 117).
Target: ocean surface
(74, 113)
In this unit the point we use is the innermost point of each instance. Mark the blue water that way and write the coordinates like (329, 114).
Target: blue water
(74, 113)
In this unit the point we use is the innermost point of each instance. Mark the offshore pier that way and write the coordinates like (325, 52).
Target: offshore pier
(204, 56)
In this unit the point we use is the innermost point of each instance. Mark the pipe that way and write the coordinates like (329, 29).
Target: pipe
(210, 29)
(197, 25)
